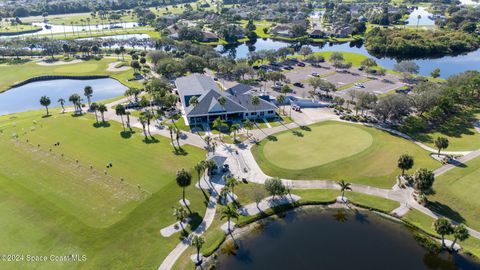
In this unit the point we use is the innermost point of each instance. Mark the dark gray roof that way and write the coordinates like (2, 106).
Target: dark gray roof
(208, 103)
(239, 89)
(237, 98)
(195, 85)
(246, 101)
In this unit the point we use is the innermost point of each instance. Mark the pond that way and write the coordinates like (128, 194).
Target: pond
(334, 239)
(119, 37)
(58, 28)
(26, 97)
(449, 65)
(425, 17)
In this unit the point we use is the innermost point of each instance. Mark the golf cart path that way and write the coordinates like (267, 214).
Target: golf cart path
(242, 164)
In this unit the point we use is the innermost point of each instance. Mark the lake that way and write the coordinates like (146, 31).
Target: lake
(334, 239)
(449, 65)
(425, 17)
(58, 28)
(27, 97)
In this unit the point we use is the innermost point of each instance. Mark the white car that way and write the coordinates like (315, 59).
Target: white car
(315, 74)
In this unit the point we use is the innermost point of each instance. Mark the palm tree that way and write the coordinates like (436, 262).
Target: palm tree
(344, 186)
(255, 102)
(193, 101)
(197, 242)
(230, 182)
(281, 101)
(62, 103)
(219, 124)
(94, 108)
(184, 179)
(45, 102)
(178, 134)
(120, 110)
(405, 162)
(211, 166)
(148, 116)
(222, 100)
(171, 129)
(418, 19)
(200, 169)
(441, 143)
(461, 233)
(127, 113)
(443, 227)
(248, 125)
(88, 92)
(102, 109)
(143, 120)
(235, 128)
(229, 212)
(122, 51)
(75, 99)
(180, 215)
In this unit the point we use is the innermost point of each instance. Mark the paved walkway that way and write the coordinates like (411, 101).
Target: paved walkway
(173, 256)
(243, 165)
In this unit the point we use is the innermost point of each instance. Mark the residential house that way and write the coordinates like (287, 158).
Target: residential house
(316, 33)
(209, 36)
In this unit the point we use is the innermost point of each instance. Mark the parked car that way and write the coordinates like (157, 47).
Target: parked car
(300, 64)
(288, 67)
(315, 74)
(132, 105)
(274, 64)
(359, 85)
(278, 84)
(298, 84)
(361, 68)
(296, 108)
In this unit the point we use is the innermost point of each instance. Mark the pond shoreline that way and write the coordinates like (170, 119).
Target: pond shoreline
(274, 214)
(59, 77)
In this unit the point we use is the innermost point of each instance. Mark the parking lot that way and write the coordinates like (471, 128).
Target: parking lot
(340, 79)
(375, 86)
(302, 74)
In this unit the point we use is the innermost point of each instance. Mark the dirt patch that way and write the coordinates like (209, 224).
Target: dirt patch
(58, 63)
(112, 67)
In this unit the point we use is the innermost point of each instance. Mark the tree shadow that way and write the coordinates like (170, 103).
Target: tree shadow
(305, 128)
(76, 114)
(446, 211)
(46, 116)
(272, 138)
(180, 152)
(297, 133)
(101, 125)
(150, 140)
(126, 134)
(195, 220)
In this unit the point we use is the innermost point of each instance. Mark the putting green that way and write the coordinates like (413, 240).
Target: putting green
(335, 150)
(325, 144)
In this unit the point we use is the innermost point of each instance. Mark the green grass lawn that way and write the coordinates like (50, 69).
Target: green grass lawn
(424, 222)
(12, 74)
(337, 151)
(75, 18)
(55, 205)
(456, 194)
(459, 131)
(17, 28)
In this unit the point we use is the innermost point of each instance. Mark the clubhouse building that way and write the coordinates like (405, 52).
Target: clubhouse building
(237, 101)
